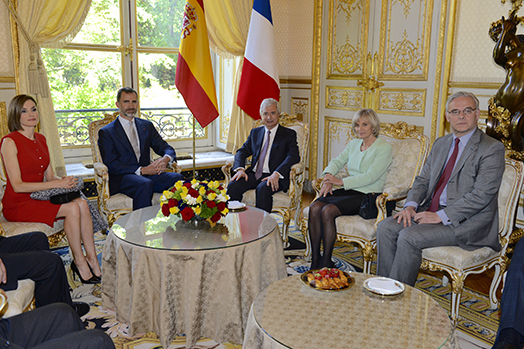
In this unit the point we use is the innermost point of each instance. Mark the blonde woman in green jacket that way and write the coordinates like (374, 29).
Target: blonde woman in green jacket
(367, 159)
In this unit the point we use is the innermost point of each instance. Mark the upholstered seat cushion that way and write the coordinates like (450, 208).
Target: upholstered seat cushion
(20, 298)
(458, 258)
(121, 201)
(280, 199)
(17, 228)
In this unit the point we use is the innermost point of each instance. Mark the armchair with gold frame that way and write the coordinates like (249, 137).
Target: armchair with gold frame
(111, 206)
(284, 203)
(409, 151)
(459, 263)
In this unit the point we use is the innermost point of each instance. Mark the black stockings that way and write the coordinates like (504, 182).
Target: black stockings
(322, 227)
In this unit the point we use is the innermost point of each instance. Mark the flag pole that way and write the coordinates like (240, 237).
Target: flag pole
(194, 147)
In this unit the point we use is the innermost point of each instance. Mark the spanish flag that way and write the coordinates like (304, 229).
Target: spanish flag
(194, 73)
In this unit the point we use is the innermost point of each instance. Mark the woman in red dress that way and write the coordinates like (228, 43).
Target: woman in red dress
(26, 161)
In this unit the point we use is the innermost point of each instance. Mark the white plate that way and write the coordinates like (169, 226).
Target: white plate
(383, 286)
(235, 205)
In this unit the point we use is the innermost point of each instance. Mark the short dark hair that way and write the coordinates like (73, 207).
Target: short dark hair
(126, 90)
(15, 111)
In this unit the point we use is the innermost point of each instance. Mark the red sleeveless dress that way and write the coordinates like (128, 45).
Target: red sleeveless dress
(33, 158)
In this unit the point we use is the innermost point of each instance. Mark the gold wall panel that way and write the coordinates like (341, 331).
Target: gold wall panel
(3, 120)
(402, 101)
(347, 38)
(344, 98)
(337, 133)
(300, 108)
(404, 52)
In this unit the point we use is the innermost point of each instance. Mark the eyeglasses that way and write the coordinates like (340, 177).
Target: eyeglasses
(466, 112)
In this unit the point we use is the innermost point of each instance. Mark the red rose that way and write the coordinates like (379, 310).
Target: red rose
(221, 206)
(172, 203)
(216, 217)
(187, 213)
(211, 204)
(193, 192)
(187, 185)
(165, 210)
(173, 189)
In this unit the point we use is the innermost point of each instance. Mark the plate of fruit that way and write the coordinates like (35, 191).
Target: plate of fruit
(327, 279)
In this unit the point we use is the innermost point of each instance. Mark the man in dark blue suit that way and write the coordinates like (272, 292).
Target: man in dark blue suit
(511, 324)
(125, 148)
(274, 150)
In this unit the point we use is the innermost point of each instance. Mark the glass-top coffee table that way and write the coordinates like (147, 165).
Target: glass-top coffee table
(164, 275)
(290, 314)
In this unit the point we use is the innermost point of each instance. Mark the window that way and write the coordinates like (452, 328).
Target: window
(122, 43)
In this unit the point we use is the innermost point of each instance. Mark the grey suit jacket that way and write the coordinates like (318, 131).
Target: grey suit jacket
(472, 193)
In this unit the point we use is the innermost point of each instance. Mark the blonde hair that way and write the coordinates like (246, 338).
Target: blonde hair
(372, 118)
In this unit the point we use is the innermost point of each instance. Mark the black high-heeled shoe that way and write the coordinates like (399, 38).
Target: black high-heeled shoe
(92, 280)
(94, 275)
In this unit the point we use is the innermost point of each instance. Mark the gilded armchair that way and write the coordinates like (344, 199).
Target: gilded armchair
(409, 151)
(110, 206)
(459, 263)
(284, 203)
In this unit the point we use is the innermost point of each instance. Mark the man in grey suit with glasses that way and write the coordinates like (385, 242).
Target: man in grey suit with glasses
(453, 202)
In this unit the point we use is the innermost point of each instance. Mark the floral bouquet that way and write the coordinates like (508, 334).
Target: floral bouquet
(195, 200)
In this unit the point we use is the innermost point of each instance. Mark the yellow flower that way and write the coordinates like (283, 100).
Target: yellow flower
(199, 199)
(226, 210)
(193, 182)
(183, 195)
(174, 210)
(197, 209)
(212, 196)
(168, 194)
(184, 191)
(223, 192)
(202, 191)
(178, 185)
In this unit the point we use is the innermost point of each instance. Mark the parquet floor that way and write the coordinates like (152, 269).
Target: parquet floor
(477, 282)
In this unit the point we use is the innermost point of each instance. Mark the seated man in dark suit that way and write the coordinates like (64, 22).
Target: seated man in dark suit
(27, 256)
(125, 149)
(53, 326)
(511, 325)
(274, 150)
(454, 200)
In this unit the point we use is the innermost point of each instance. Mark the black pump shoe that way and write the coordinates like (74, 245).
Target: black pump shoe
(92, 280)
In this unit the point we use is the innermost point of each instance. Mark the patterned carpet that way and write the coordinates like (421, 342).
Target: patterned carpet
(478, 320)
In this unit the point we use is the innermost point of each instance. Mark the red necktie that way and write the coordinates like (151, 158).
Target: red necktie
(444, 178)
(262, 157)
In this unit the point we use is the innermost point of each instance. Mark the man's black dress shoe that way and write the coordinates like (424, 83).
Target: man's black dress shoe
(81, 308)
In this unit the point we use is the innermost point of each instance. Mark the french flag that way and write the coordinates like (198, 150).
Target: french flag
(259, 78)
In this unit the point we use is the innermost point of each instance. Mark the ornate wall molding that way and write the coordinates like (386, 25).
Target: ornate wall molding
(402, 101)
(403, 51)
(344, 98)
(347, 38)
(300, 108)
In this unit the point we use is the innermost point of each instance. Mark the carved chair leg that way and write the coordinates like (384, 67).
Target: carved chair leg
(368, 252)
(305, 234)
(285, 229)
(456, 294)
(493, 288)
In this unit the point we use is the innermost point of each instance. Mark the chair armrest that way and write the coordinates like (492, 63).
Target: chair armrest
(100, 169)
(397, 192)
(226, 170)
(175, 167)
